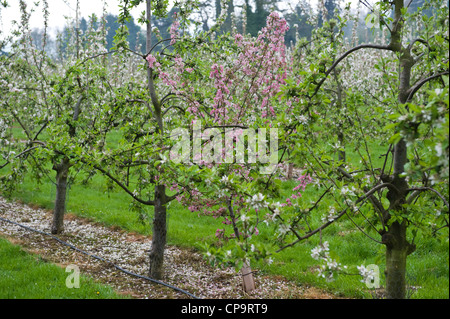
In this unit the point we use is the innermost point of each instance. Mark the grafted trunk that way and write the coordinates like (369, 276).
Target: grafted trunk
(62, 173)
(397, 246)
(397, 251)
(159, 234)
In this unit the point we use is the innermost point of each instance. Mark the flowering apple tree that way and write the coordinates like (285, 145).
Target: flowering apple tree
(51, 110)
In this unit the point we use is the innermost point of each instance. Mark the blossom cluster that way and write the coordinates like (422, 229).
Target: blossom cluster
(257, 201)
(303, 180)
(331, 215)
(367, 274)
(174, 33)
(329, 266)
(244, 83)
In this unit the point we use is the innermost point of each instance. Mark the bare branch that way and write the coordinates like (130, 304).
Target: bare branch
(155, 45)
(143, 101)
(341, 213)
(419, 84)
(345, 54)
(174, 106)
(421, 189)
(171, 198)
(417, 40)
(20, 154)
(319, 229)
(125, 188)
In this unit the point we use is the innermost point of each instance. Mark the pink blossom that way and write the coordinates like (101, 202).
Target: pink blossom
(174, 31)
(151, 60)
(220, 233)
(192, 208)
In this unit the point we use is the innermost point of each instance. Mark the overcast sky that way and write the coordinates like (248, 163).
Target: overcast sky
(59, 9)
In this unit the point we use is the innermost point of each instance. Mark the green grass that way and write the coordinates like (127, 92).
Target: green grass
(26, 276)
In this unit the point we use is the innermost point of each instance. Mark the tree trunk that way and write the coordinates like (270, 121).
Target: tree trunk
(159, 234)
(62, 172)
(397, 250)
(290, 170)
(395, 273)
(397, 247)
(159, 220)
(248, 282)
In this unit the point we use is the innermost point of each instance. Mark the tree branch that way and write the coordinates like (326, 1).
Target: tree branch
(300, 238)
(418, 85)
(143, 101)
(148, 202)
(20, 154)
(345, 54)
(376, 188)
(95, 56)
(421, 189)
(174, 106)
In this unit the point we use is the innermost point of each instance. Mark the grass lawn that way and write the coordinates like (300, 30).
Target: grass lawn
(26, 276)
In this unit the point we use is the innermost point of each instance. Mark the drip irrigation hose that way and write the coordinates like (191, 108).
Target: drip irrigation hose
(100, 258)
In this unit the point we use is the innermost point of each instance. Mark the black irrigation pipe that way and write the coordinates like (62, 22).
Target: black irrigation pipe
(100, 258)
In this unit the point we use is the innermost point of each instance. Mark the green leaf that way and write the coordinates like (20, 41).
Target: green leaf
(390, 126)
(395, 138)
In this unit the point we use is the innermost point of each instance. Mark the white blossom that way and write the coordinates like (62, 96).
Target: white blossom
(330, 216)
(244, 218)
(283, 229)
(257, 201)
(367, 274)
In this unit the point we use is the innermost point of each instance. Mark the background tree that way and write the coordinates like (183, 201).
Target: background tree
(298, 20)
(47, 104)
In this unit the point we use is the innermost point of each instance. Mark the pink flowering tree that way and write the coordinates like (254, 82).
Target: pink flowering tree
(201, 90)
(229, 95)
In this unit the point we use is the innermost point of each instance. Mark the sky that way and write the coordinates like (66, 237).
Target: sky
(59, 9)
